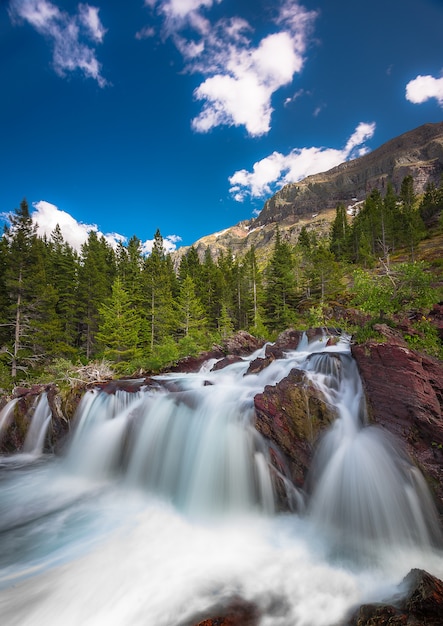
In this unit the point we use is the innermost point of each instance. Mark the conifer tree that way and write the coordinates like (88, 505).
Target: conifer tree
(96, 276)
(413, 227)
(191, 319)
(280, 286)
(340, 234)
(62, 275)
(20, 284)
(119, 327)
(211, 294)
(159, 284)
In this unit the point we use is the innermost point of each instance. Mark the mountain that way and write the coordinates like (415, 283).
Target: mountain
(313, 200)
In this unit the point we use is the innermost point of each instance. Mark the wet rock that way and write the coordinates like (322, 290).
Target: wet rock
(239, 612)
(291, 415)
(242, 344)
(425, 597)
(259, 364)
(287, 340)
(404, 393)
(228, 360)
(379, 615)
(192, 364)
(422, 604)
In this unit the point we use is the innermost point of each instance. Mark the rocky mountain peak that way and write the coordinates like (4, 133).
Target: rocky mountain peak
(313, 200)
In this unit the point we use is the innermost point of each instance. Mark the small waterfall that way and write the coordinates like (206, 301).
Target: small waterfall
(41, 418)
(162, 508)
(365, 493)
(6, 416)
(195, 446)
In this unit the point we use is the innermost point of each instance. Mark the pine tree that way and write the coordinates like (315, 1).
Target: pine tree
(119, 327)
(280, 286)
(96, 276)
(191, 319)
(20, 284)
(159, 284)
(212, 287)
(431, 204)
(62, 275)
(413, 227)
(340, 234)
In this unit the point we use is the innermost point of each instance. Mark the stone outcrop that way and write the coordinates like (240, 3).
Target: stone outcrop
(418, 153)
(312, 201)
(422, 605)
(27, 397)
(404, 392)
(240, 344)
(291, 415)
(238, 612)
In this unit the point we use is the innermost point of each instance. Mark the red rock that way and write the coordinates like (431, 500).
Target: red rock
(237, 613)
(404, 393)
(228, 360)
(422, 605)
(291, 415)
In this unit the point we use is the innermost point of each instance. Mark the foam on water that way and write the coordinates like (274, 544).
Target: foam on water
(163, 509)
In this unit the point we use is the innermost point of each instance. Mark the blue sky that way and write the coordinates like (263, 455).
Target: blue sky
(186, 115)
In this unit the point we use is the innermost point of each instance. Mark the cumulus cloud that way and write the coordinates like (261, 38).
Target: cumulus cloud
(169, 244)
(72, 37)
(47, 216)
(424, 88)
(277, 169)
(240, 76)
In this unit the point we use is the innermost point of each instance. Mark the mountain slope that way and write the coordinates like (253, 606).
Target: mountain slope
(312, 201)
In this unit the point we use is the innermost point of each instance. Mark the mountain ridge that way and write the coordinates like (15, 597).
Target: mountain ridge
(312, 201)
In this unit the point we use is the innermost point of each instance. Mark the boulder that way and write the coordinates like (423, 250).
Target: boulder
(227, 360)
(291, 415)
(259, 364)
(404, 394)
(238, 612)
(242, 344)
(422, 604)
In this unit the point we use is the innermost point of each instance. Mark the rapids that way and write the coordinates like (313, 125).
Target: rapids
(162, 508)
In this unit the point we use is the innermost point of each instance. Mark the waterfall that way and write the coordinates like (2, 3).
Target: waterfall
(162, 507)
(35, 437)
(6, 416)
(365, 492)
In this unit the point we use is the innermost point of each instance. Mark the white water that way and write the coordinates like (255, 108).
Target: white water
(6, 416)
(35, 437)
(163, 510)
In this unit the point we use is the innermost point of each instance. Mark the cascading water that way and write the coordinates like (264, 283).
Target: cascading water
(365, 492)
(36, 434)
(163, 508)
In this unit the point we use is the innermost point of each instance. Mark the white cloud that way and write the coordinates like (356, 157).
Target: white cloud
(89, 17)
(239, 76)
(277, 169)
(169, 244)
(69, 35)
(424, 88)
(145, 33)
(47, 216)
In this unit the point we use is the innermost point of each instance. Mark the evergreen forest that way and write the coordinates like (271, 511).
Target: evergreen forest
(137, 313)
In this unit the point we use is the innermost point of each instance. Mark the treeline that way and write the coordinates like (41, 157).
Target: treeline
(140, 313)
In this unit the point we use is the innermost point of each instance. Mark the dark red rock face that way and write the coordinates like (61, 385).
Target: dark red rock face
(237, 613)
(291, 415)
(422, 605)
(404, 392)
